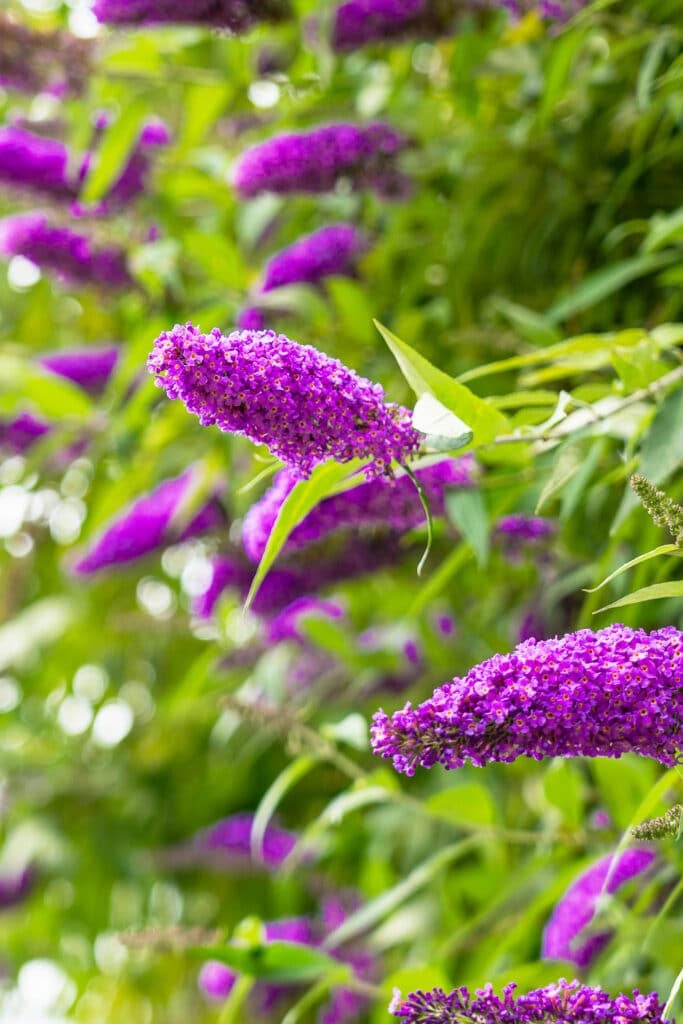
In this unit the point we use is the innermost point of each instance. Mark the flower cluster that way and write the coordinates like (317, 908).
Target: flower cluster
(360, 22)
(566, 1002)
(29, 161)
(70, 255)
(666, 826)
(89, 368)
(147, 525)
(662, 509)
(305, 406)
(314, 161)
(562, 938)
(19, 434)
(235, 15)
(282, 587)
(33, 62)
(390, 504)
(594, 694)
(227, 843)
(330, 250)
(525, 528)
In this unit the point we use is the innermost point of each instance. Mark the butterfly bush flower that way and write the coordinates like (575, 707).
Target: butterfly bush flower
(29, 161)
(147, 524)
(14, 887)
(251, 318)
(227, 844)
(566, 1002)
(305, 406)
(360, 22)
(526, 529)
(331, 250)
(89, 368)
(592, 694)
(235, 15)
(32, 62)
(20, 433)
(71, 256)
(394, 504)
(287, 624)
(314, 161)
(562, 938)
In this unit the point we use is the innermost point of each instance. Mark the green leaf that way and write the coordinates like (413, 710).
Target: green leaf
(467, 510)
(660, 453)
(325, 480)
(285, 962)
(603, 283)
(530, 324)
(563, 789)
(113, 152)
(656, 592)
(649, 67)
(51, 394)
(478, 414)
(570, 458)
(664, 549)
(270, 800)
(376, 909)
(470, 803)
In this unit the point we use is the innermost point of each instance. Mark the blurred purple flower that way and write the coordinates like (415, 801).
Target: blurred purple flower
(235, 15)
(251, 318)
(358, 23)
(314, 161)
(392, 504)
(526, 529)
(70, 255)
(329, 251)
(133, 178)
(89, 368)
(18, 434)
(286, 624)
(592, 694)
(227, 844)
(562, 938)
(566, 1002)
(15, 887)
(304, 405)
(34, 62)
(32, 162)
(147, 524)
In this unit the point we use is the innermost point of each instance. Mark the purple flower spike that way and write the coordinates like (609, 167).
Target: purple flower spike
(315, 161)
(34, 62)
(590, 694)
(358, 23)
(251, 319)
(567, 1002)
(19, 434)
(394, 504)
(15, 887)
(331, 250)
(576, 909)
(231, 839)
(305, 406)
(90, 368)
(71, 256)
(526, 528)
(29, 161)
(235, 15)
(287, 624)
(147, 525)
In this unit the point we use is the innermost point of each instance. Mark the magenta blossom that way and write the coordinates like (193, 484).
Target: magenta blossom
(562, 938)
(591, 694)
(566, 1002)
(328, 251)
(304, 405)
(381, 503)
(147, 525)
(235, 15)
(71, 256)
(315, 161)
